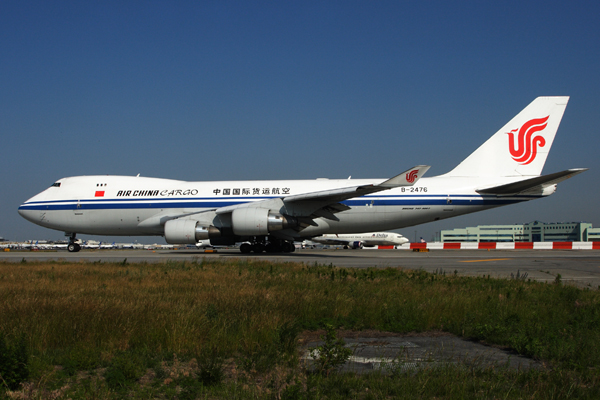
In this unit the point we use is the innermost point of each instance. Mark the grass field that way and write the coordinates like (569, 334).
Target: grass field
(211, 329)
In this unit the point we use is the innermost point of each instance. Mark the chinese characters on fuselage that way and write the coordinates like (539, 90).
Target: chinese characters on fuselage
(252, 191)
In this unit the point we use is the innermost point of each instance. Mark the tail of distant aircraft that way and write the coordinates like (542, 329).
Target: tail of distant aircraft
(521, 147)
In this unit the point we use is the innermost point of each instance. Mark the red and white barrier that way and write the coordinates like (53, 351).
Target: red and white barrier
(504, 246)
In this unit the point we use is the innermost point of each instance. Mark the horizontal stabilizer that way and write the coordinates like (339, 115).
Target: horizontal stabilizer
(533, 184)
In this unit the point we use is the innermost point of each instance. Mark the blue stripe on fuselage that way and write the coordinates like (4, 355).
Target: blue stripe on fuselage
(406, 200)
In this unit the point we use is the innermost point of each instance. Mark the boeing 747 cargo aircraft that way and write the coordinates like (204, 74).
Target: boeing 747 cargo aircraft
(271, 215)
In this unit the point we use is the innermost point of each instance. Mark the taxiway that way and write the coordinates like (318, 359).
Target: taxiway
(581, 268)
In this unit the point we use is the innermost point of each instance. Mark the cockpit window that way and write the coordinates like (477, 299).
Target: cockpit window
(55, 184)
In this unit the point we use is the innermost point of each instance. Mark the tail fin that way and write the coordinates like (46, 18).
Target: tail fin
(521, 147)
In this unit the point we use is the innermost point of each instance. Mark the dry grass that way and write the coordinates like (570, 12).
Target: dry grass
(174, 307)
(84, 316)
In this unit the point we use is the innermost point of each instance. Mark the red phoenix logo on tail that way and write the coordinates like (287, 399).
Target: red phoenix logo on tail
(412, 176)
(523, 148)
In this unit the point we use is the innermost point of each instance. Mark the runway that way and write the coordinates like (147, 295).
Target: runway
(581, 268)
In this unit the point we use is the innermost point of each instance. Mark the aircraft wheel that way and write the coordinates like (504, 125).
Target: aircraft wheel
(288, 247)
(245, 248)
(73, 247)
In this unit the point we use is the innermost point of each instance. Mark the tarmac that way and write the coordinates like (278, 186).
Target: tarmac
(393, 353)
(577, 267)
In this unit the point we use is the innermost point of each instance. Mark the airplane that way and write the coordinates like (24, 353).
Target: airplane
(203, 244)
(90, 244)
(131, 246)
(360, 240)
(272, 215)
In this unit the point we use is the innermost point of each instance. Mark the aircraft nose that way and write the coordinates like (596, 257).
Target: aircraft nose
(28, 209)
(25, 213)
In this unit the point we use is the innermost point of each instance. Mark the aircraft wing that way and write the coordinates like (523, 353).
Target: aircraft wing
(531, 185)
(406, 178)
(326, 203)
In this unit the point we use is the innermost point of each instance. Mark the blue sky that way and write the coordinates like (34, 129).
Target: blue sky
(228, 90)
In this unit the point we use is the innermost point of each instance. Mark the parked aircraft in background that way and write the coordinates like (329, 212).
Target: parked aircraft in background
(132, 246)
(90, 244)
(360, 240)
(271, 215)
(203, 244)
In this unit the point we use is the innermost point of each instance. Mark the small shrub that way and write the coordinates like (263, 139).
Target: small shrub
(332, 354)
(14, 368)
(124, 369)
(211, 367)
(287, 334)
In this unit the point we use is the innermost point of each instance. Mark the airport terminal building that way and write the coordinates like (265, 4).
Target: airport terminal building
(535, 231)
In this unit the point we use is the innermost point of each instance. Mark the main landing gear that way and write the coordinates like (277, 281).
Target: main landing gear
(73, 247)
(259, 245)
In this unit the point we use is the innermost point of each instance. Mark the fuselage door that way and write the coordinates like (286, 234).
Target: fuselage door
(448, 206)
(78, 210)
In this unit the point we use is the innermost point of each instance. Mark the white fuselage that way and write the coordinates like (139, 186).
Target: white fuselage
(122, 205)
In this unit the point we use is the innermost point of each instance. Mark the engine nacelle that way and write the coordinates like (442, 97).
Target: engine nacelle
(188, 231)
(254, 221)
(357, 245)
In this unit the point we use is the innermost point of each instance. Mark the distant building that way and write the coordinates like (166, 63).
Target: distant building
(535, 231)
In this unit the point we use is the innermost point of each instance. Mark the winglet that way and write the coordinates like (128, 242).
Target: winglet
(406, 178)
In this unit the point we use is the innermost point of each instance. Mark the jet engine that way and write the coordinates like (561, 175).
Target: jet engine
(253, 221)
(357, 245)
(188, 231)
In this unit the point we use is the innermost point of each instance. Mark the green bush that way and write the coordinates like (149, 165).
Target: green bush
(331, 354)
(211, 365)
(14, 358)
(124, 369)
